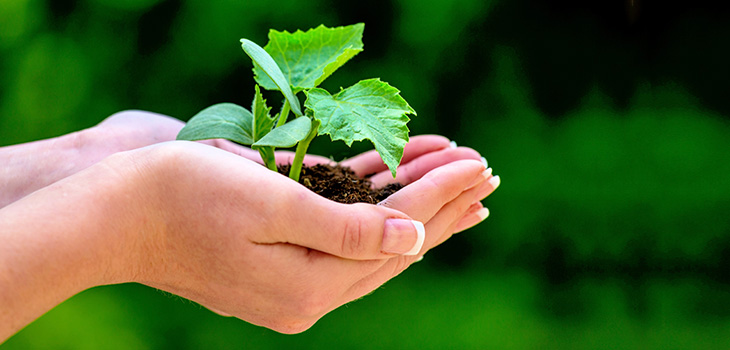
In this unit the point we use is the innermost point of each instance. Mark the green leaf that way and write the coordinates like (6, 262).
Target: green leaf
(286, 135)
(262, 120)
(370, 109)
(266, 64)
(221, 121)
(308, 58)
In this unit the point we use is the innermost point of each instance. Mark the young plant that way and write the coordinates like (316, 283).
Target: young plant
(298, 62)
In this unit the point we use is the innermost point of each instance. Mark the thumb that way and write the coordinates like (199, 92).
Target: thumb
(358, 231)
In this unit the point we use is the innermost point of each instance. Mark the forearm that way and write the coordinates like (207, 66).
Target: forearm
(61, 240)
(31, 166)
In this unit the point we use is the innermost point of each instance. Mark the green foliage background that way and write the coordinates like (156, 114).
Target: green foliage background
(607, 123)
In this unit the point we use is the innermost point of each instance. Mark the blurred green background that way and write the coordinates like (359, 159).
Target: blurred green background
(607, 120)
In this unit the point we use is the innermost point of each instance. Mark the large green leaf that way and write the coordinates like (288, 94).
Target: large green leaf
(308, 58)
(264, 63)
(221, 121)
(262, 120)
(286, 135)
(370, 109)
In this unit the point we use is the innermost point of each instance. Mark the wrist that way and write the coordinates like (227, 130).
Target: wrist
(136, 224)
(75, 234)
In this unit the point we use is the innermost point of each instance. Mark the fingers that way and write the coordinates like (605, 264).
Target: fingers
(352, 231)
(474, 215)
(370, 162)
(460, 213)
(286, 157)
(282, 157)
(135, 118)
(422, 199)
(444, 198)
(236, 149)
(362, 231)
(416, 168)
(454, 190)
(444, 223)
(367, 284)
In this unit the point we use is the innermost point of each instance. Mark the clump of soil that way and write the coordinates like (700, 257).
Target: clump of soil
(340, 184)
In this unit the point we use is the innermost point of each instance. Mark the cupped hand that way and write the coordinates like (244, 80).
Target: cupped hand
(238, 238)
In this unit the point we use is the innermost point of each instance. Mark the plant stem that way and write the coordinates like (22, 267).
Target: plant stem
(284, 114)
(296, 165)
(267, 155)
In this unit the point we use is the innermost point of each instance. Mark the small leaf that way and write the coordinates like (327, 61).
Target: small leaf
(262, 121)
(266, 64)
(221, 121)
(370, 109)
(286, 135)
(308, 58)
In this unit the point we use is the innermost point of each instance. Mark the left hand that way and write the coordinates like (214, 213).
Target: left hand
(128, 130)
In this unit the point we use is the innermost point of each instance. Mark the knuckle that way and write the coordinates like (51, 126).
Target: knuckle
(292, 326)
(301, 311)
(120, 116)
(307, 310)
(400, 265)
(313, 306)
(353, 238)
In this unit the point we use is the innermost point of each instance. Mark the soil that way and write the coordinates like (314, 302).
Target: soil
(340, 184)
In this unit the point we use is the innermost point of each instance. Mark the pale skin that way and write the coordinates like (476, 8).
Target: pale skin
(116, 203)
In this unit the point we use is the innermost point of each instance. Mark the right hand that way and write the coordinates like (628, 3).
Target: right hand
(227, 233)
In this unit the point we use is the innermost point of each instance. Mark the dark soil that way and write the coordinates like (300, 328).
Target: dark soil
(340, 184)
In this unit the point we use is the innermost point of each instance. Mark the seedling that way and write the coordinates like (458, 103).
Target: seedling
(298, 62)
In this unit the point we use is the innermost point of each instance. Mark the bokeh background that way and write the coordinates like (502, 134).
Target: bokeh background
(608, 121)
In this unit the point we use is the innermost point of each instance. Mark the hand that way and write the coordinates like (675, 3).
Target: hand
(435, 199)
(218, 229)
(256, 245)
(32, 166)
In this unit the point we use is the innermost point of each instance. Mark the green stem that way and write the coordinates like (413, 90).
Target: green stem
(267, 155)
(296, 165)
(284, 114)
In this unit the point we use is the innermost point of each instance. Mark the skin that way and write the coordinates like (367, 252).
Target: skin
(209, 224)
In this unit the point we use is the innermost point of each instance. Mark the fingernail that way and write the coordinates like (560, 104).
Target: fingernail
(403, 237)
(495, 181)
(452, 144)
(485, 189)
(482, 213)
(485, 175)
(420, 258)
(484, 161)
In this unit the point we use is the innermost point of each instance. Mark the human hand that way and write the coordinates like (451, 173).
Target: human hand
(220, 230)
(258, 246)
(31, 166)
